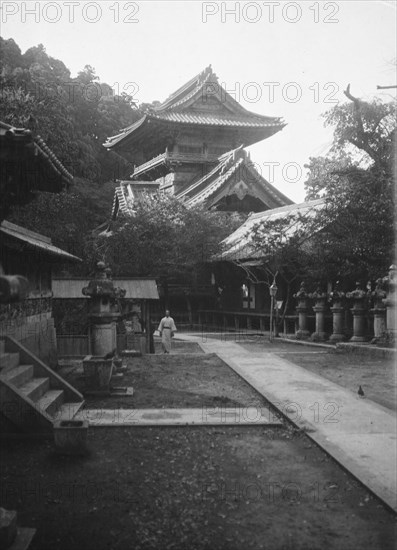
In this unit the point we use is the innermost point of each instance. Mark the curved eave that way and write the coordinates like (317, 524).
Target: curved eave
(147, 127)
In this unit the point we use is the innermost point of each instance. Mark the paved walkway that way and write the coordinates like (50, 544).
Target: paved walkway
(207, 416)
(358, 433)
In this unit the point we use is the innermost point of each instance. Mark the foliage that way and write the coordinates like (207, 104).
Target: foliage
(352, 236)
(73, 115)
(163, 238)
(68, 218)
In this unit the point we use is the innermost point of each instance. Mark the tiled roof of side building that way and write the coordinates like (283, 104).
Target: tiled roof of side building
(35, 241)
(8, 132)
(237, 245)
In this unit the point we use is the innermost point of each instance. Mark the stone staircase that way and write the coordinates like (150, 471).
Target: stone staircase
(32, 396)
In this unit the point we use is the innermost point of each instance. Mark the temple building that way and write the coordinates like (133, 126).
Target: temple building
(28, 165)
(192, 146)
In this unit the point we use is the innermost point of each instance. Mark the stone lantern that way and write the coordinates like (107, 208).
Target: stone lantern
(302, 308)
(102, 311)
(338, 314)
(390, 303)
(319, 308)
(379, 311)
(102, 317)
(359, 311)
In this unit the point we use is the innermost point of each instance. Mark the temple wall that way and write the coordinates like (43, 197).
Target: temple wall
(31, 323)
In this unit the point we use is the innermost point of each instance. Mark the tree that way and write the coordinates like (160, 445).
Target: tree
(357, 183)
(163, 239)
(68, 218)
(73, 115)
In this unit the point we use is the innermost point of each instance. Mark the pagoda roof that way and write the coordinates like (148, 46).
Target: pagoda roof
(235, 174)
(189, 106)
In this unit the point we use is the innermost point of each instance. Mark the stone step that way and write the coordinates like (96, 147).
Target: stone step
(9, 360)
(18, 376)
(67, 411)
(50, 402)
(35, 388)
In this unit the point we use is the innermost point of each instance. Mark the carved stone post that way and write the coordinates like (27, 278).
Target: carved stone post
(319, 308)
(302, 308)
(390, 303)
(379, 311)
(338, 315)
(358, 310)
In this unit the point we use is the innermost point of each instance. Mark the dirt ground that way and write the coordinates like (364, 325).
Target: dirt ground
(228, 488)
(191, 488)
(377, 376)
(192, 380)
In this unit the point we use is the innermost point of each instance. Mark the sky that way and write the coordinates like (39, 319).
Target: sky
(277, 58)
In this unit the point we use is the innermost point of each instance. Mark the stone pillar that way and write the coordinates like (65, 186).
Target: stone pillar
(378, 311)
(358, 310)
(319, 309)
(338, 315)
(302, 308)
(390, 303)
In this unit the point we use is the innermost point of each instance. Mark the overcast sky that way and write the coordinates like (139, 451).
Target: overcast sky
(289, 59)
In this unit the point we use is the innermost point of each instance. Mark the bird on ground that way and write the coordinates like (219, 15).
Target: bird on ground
(360, 392)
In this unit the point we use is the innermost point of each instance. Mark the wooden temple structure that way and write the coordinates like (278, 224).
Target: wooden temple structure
(28, 258)
(192, 146)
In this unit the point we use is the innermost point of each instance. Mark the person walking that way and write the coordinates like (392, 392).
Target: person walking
(166, 329)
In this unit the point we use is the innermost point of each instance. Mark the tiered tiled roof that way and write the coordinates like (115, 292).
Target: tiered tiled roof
(187, 106)
(234, 174)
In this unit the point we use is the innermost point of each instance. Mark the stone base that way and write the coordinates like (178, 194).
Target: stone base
(70, 437)
(359, 339)
(337, 338)
(302, 335)
(319, 336)
(121, 391)
(116, 391)
(131, 353)
(98, 372)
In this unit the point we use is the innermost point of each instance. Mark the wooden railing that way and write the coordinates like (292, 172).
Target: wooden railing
(244, 320)
(174, 156)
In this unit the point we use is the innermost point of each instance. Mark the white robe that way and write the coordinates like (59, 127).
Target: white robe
(166, 327)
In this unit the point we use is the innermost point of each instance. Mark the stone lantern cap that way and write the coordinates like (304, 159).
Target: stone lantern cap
(302, 294)
(379, 291)
(102, 284)
(318, 294)
(358, 293)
